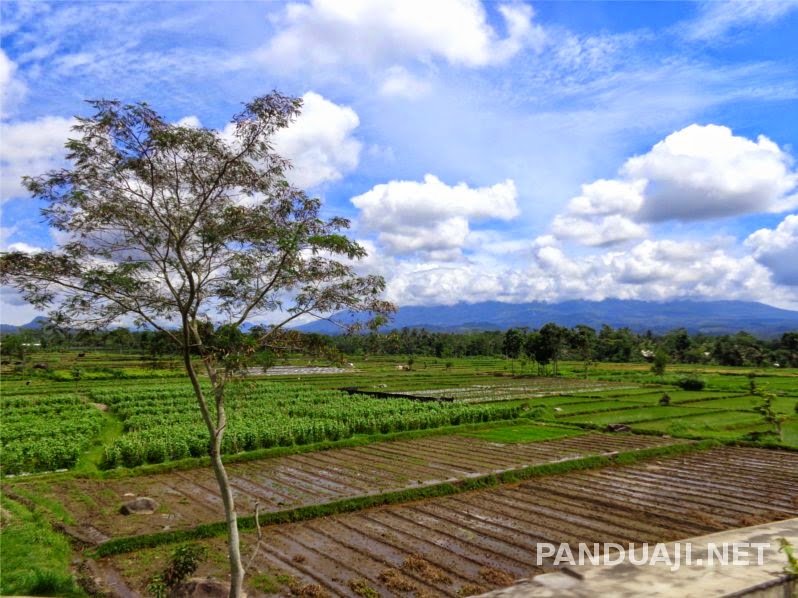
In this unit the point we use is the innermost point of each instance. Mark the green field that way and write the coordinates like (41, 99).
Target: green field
(52, 418)
(118, 416)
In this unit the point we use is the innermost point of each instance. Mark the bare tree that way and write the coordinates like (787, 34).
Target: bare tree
(190, 232)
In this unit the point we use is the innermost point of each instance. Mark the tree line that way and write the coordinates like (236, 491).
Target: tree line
(553, 343)
(546, 346)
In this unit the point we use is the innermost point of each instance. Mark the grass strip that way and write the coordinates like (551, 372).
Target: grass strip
(133, 543)
(36, 558)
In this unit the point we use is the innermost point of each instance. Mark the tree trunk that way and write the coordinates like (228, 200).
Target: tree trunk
(231, 517)
(233, 542)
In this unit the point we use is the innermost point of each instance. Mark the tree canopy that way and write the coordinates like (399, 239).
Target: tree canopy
(190, 231)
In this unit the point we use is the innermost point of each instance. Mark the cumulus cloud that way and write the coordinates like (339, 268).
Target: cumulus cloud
(696, 173)
(597, 232)
(604, 197)
(600, 215)
(330, 32)
(30, 148)
(650, 270)
(431, 216)
(717, 19)
(777, 249)
(708, 172)
(319, 143)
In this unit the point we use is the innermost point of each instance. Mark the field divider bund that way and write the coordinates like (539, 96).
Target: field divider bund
(435, 490)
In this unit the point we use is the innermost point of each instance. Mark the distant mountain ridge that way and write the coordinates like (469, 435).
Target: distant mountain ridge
(708, 317)
(35, 324)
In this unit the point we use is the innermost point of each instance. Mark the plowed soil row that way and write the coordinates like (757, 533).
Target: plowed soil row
(486, 539)
(188, 498)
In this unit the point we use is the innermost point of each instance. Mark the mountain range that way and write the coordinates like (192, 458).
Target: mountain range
(707, 317)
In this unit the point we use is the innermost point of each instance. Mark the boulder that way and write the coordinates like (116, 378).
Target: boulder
(142, 505)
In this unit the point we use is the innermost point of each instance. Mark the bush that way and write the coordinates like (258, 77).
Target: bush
(185, 561)
(691, 383)
(660, 362)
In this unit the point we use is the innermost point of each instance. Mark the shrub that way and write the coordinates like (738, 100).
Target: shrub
(660, 362)
(691, 383)
(185, 560)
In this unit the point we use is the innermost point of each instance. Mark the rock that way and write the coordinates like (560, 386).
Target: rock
(142, 505)
(198, 587)
(618, 428)
(40, 366)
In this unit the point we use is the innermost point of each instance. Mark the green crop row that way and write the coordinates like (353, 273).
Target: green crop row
(45, 433)
(165, 424)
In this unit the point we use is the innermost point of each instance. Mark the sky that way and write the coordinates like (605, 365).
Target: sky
(512, 151)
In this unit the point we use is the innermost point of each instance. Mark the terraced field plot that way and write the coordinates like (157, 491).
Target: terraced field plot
(485, 539)
(189, 497)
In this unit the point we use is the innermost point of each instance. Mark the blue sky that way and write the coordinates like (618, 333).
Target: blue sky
(513, 151)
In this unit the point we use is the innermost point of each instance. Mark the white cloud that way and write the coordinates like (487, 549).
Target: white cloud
(716, 19)
(320, 143)
(650, 270)
(12, 90)
(704, 172)
(599, 216)
(696, 173)
(777, 249)
(24, 247)
(430, 215)
(191, 121)
(399, 82)
(330, 32)
(604, 197)
(604, 231)
(30, 148)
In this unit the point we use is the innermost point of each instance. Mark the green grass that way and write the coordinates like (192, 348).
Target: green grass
(790, 432)
(628, 416)
(90, 460)
(595, 406)
(703, 424)
(35, 558)
(524, 433)
(784, 405)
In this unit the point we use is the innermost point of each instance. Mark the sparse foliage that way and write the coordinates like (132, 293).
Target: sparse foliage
(181, 228)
